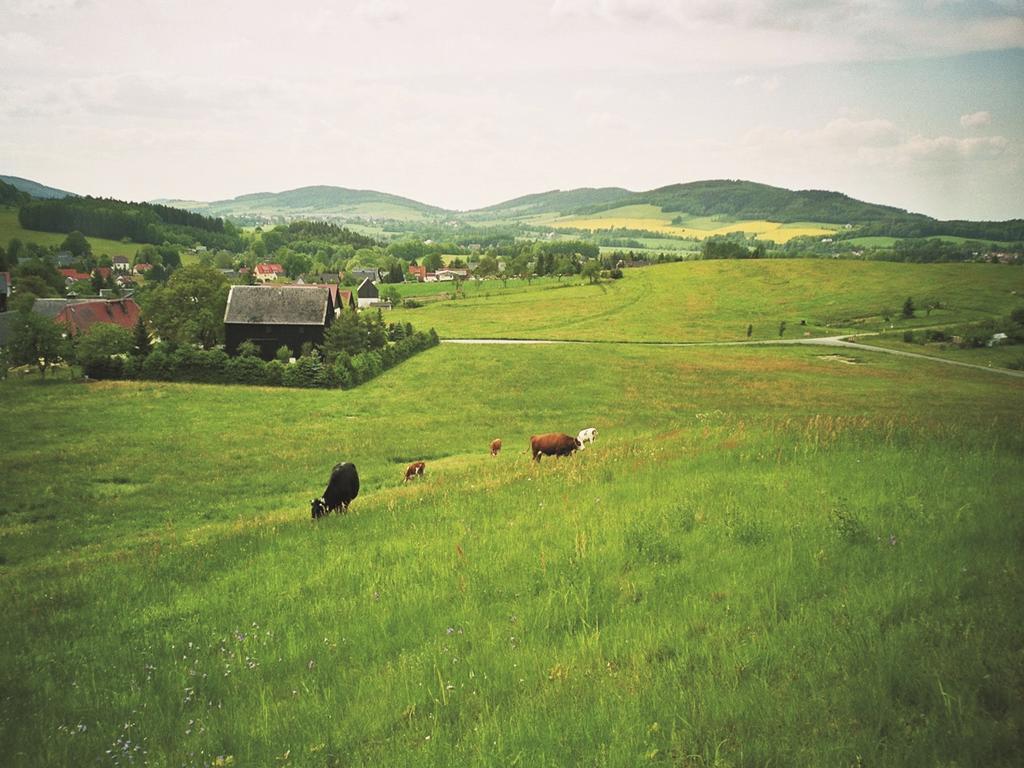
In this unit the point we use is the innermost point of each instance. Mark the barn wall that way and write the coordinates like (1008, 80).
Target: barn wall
(270, 337)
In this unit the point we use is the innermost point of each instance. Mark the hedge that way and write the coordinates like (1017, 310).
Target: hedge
(214, 366)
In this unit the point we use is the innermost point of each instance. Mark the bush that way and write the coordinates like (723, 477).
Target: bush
(283, 354)
(157, 366)
(308, 371)
(908, 336)
(246, 369)
(274, 373)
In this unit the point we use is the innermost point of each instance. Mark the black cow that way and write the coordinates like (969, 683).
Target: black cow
(342, 488)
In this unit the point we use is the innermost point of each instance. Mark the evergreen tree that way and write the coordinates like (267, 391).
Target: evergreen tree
(908, 308)
(141, 344)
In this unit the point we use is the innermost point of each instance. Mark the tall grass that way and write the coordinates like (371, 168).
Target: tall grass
(764, 559)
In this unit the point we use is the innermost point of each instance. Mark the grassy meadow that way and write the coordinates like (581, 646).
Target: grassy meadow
(717, 300)
(9, 227)
(767, 558)
(653, 219)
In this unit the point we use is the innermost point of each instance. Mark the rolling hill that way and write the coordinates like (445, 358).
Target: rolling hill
(695, 210)
(34, 188)
(316, 201)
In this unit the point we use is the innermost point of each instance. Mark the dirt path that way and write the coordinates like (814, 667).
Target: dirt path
(823, 341)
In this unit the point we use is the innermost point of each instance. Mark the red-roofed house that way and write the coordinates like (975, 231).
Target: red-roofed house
(143, 267)
(419, 272)
(73, 275)
(265, 273)
(82, 315)
(346, 300)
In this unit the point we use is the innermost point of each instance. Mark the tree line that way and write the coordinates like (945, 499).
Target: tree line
(118, 220)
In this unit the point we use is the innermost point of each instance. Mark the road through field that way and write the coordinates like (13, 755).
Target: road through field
(824, 341)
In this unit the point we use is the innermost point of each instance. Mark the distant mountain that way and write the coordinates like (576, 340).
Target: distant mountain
(727, 200)
(34, 188)
(560, 202)
(311, 202)
(749, 200)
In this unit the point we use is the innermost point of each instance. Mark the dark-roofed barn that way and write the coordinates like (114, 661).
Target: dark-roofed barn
(276, 316)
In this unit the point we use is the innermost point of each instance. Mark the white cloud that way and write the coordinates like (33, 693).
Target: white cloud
(40, 7)
(18, 45)
(381, 11)
(975, 119)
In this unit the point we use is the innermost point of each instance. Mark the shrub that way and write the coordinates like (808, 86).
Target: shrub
(908, 336)
(283, 354)
(274, 373)
(246, 369)
(308, 371)
(157, 366)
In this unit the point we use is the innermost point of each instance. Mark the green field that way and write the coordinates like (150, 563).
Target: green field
(9, 227)
(652, 218)
(717, 300)
(889, 242)
(766, 558)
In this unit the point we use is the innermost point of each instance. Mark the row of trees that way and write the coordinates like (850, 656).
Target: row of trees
(113, 354)
(137, 222)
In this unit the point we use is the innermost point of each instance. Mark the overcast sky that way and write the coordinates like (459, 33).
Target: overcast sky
(464, 103)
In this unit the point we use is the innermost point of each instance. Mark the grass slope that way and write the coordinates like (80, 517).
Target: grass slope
(311, 201)
(766, 558)
(9, 228)
(34, 188)
(716, 300)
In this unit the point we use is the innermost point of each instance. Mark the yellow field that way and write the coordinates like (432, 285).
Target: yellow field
(653, 219)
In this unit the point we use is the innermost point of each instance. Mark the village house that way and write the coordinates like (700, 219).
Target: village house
(371, 274)
(266, 273)
(141, 268)
(420, 273)
(276, 316)
(451, 274)
(72, 276)
(80, 316)
(121, 264)
(367, 294)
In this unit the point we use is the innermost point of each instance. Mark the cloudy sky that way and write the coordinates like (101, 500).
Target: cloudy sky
(464, 103)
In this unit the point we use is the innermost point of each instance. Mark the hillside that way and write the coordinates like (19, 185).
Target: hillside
(718, 300)
(693, 211)
(34, 188)
(758, 536)
(311, 202)
(556, 201)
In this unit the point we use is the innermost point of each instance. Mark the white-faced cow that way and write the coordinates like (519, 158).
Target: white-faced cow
(553, 444)
(341, 489)
(414, 470)
(587, 435)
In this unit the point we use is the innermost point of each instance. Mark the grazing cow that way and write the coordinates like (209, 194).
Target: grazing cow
(587, 435)
(414, 470)
(553, 444)
(495, 447)
(341, 489)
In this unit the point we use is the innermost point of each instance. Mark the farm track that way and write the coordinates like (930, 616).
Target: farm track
(821, 341)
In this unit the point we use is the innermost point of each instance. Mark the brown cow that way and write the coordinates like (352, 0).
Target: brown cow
(553, 444)
(414, 470)
(495, 447)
